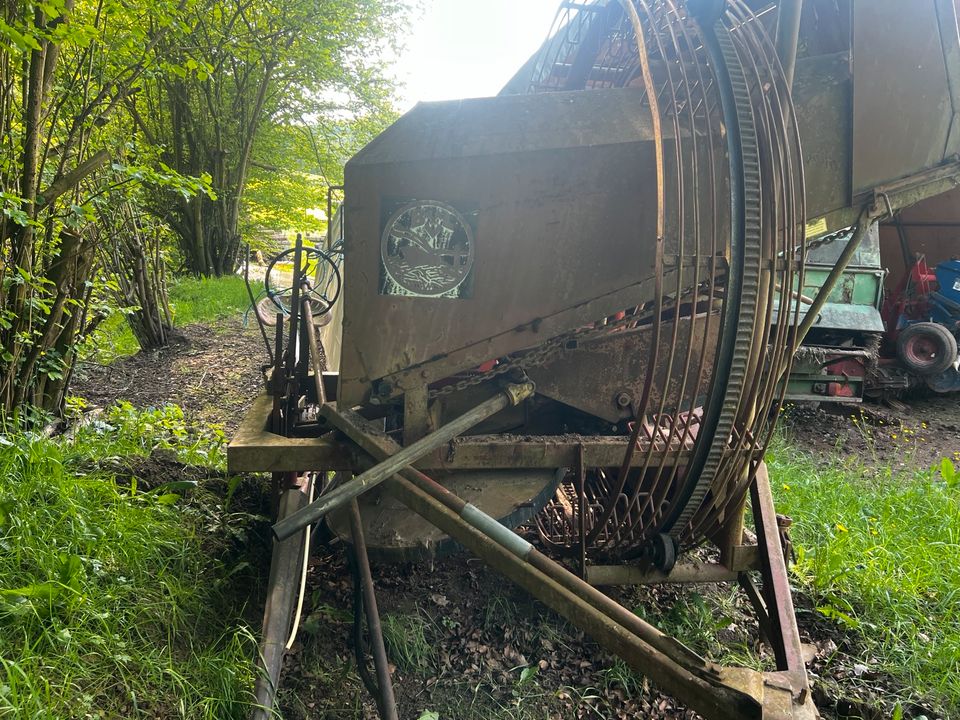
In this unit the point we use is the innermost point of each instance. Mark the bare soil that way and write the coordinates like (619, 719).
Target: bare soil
(479, 633)
(916, 434)
(213, 373)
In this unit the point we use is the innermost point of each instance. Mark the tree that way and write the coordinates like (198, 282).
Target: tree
(241, 66)
(304, 162)
(66, 66)
(136, 265)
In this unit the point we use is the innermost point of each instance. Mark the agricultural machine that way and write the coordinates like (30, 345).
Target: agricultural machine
(869, 343)
(922, 318)
(575, 305)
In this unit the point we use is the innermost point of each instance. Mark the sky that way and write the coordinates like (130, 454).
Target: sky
(470, 48)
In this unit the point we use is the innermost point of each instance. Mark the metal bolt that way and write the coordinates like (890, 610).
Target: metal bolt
(623, 400)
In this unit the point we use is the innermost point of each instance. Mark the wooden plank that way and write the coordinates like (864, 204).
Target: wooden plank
(256, 449)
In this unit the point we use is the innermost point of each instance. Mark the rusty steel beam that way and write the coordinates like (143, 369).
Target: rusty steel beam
(682, 573)
(255, 449)
(285, 568)
(784, 633)
(386, 703)
(511, 395)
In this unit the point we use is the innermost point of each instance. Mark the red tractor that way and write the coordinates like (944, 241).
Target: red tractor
(922, 320)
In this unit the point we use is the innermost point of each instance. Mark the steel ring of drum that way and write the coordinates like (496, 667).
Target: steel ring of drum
(699, 447)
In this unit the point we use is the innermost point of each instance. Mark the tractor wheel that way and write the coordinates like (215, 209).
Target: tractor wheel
(927, 348)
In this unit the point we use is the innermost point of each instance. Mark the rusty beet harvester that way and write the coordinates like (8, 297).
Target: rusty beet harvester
(575, 304)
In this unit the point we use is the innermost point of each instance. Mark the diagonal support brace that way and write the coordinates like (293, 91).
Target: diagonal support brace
(511, 395)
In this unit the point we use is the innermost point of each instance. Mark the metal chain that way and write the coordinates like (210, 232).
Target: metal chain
(540, 355)
(828, 238)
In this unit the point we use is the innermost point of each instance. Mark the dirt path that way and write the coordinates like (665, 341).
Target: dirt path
(917, 435)
(213, 373)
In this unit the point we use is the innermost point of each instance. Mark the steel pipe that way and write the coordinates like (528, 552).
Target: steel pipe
(314, 351)
(681, 574)
(512, 395)
(387, 702)
(788, 36)
(813, 312)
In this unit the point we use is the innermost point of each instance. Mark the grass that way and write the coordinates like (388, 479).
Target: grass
(879, 552)
(407, 639)
(201, 300)
(116, 602)
(192, 300)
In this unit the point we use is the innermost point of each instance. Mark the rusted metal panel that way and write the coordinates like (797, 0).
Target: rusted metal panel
(947, 11)
(822, 92)
(605, 377)
(558, 188)
(902, 107)
(395, 534)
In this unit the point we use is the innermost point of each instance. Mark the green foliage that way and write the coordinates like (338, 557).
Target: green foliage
(65, 152)
(266, 99)
(880, 553)
(115, 602)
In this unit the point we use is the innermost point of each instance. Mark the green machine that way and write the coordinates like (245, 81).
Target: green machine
(843, 344)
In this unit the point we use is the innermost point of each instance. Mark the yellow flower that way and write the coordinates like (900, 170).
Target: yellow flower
(841, 527)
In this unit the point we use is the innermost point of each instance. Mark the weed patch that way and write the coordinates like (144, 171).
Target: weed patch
(879, 552)
(116, 602)
(407, 641)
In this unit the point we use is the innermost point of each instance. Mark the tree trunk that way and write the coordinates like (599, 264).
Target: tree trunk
(209, 238)
(134, 259)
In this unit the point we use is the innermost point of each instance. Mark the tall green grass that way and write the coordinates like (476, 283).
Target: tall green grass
(117, 602)
(200, 300)
(879, 552)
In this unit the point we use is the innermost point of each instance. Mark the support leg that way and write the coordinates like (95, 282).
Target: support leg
(785, 635)
(285, 567)
(386, 702)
